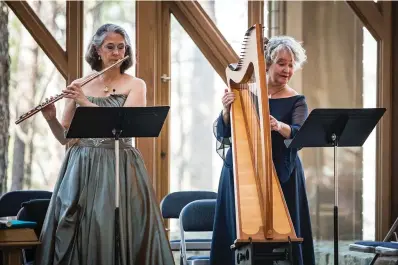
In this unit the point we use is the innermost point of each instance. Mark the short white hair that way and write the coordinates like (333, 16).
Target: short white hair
(278, 43)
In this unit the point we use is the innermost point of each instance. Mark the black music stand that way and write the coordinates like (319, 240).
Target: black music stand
(116, 123)
(336, 128)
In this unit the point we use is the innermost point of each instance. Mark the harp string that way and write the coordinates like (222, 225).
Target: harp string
(249, 96)
(254, 117)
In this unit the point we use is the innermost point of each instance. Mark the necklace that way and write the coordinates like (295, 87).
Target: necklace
(106, 88)
(270, 95)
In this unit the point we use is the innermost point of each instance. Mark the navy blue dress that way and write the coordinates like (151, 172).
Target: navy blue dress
(292, 111)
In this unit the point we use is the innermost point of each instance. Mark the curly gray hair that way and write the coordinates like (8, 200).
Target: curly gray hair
(278, 43)
(97, 40)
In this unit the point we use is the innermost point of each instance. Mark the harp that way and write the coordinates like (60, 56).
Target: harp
(262, 216)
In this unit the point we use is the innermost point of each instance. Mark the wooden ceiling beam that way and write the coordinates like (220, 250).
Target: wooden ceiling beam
(370, 15)
(205, 34)
(40, 34)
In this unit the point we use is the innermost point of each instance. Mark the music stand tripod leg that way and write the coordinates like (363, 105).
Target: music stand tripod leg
(336, 201)
(117, 197)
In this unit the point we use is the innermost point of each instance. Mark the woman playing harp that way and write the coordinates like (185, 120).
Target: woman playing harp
(79, 225)
(288, 109)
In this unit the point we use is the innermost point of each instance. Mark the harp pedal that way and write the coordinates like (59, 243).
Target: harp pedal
(263, 253)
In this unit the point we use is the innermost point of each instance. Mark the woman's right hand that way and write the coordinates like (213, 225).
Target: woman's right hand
(227, 100)
(49, 112)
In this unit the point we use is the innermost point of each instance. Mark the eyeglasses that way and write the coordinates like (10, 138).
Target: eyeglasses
(112, 47)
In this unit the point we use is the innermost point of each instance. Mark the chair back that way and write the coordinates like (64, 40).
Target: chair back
(35, 211)
(10, 202)
(198, 216)
(172, 204)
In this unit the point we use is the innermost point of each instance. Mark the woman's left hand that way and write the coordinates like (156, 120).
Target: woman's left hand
(75, 92)
(275, 124)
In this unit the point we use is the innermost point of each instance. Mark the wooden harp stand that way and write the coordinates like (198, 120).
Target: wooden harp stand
(263, 222)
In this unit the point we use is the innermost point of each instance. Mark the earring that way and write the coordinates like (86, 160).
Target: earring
(99, 58)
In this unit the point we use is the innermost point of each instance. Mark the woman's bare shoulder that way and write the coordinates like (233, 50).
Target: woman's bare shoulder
(292, 92)
(135, 82)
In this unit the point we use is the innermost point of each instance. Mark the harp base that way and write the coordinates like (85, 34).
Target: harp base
(264, 253)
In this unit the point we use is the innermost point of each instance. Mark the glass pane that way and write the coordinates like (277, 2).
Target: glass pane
(97, 13)
(340, 73)
(35, 156)
(230, 17)
(53, 15)
(196, 91)
(369, 148)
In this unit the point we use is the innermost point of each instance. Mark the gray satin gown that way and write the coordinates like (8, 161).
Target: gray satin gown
(79, 225)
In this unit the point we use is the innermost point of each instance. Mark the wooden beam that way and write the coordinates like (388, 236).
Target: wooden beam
(384, 136)
(205, 34)
(40, 34)
(74, 39)
(394, 114)
(147, 40)
(370, 15)
(256, 12)
(163, 97)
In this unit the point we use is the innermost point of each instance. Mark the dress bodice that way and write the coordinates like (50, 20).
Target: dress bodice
(292, 111)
